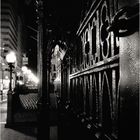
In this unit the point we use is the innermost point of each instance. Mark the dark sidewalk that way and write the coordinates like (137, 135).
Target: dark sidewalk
(63, 125)
(25, 120)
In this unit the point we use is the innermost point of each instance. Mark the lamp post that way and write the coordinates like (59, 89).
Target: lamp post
(11, 59)
(1, 70)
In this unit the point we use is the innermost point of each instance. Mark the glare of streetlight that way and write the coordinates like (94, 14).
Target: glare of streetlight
(11, 57)
(24, 69)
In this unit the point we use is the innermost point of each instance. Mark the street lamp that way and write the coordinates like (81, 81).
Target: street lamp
(11, 59)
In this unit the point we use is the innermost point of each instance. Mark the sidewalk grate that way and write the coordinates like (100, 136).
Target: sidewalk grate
(29, 101)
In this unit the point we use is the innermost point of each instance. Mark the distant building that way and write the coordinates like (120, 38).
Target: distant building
(56, 69)
(12, 36)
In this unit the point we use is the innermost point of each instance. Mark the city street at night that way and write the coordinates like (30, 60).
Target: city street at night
(69, 70)
(22, 132)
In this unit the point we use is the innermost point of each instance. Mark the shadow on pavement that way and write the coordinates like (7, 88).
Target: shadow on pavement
(30, 131)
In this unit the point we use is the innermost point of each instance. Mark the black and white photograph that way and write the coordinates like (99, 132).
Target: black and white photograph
(69, 69)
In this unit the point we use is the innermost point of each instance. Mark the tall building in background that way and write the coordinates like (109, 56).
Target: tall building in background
(12, 37)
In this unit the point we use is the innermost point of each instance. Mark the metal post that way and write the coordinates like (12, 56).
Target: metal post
(43, 73)
(2, 83)
(9, 100)
(10, 83)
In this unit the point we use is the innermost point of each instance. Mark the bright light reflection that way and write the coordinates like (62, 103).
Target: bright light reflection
(24, 69)
(20, 82)
(11, 57)
(33, 78)
(6, 77)
(28, 73)
(57, 79)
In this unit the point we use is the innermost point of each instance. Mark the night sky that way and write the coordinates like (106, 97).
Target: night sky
(64, 14)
